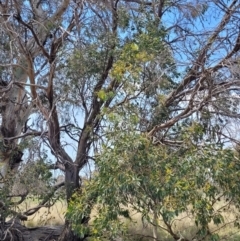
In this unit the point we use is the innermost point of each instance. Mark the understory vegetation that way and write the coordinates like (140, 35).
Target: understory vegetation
(119, 120)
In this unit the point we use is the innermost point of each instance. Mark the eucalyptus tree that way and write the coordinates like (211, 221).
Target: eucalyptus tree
(187, 105)
(71, 71)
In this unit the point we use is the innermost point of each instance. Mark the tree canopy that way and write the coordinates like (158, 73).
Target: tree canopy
(144, 92)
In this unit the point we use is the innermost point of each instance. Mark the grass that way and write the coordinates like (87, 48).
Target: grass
(137, 230)
(185, 227)
(44, 216)
(187, 230)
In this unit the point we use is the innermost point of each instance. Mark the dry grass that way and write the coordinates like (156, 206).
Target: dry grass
(138, 230)
(186, 229)
(184, 226)
(45, 216)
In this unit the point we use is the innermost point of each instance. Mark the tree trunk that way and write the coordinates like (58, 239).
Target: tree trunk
(68, 234)
(71, 179)
(71, 184)
(15, 231)
(155, 224)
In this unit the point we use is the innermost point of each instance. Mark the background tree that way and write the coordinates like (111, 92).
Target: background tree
(69, 69)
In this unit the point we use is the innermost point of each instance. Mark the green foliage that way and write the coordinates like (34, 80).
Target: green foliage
(147, 178)
(154, 93)
(133, 174)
